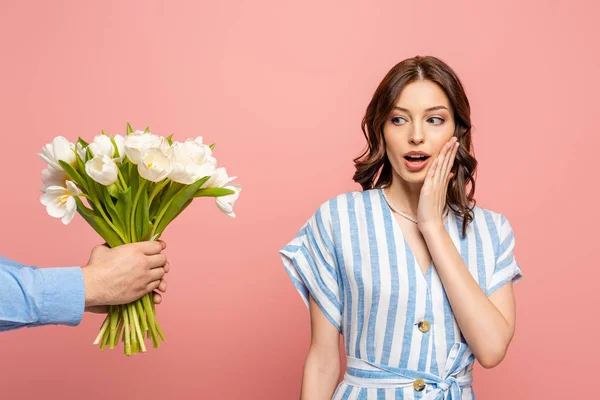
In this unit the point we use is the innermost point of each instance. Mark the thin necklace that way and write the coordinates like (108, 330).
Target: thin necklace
(394, 209)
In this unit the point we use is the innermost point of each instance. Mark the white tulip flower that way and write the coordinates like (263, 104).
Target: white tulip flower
(137, 143)
(53, 177)
(82, 151)
(190, 161)
(102, 169)
(60, 201)
(225, 203)
(120, 141)
(59, 150)
(218, 179)
(154, 165)
(102, 145)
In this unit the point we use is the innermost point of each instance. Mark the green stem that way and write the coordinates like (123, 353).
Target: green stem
(133, 207)
(138, 331)
(160, 215)
(114, 316)
(160, 332)
(121, 179)
(119, 328)
(151, 320)
(102, 330)
(132, 330)
(108, 221)
(127, 333)
(141, 315)
(105, 339)
(157, 189)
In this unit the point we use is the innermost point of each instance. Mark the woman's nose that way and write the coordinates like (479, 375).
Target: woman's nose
(416, 135)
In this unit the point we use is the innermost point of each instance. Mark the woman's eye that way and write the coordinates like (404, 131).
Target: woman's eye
(440, 120)
(398, 120)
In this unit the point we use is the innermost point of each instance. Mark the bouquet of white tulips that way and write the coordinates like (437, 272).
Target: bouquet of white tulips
(129, 188)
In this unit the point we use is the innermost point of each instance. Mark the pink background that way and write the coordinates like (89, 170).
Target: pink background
(282, 87)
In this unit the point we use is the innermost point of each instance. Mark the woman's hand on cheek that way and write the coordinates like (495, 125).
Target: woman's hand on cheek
(432, 200)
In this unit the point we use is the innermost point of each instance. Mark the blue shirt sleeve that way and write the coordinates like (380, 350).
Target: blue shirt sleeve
(31, 296)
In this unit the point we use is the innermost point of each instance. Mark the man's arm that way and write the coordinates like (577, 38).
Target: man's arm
(31, 296)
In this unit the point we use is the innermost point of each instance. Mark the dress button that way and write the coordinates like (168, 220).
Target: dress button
(424, 326)
(419, 385)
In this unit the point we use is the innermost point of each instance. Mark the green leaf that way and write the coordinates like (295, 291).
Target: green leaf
(147, 130)
(170, 139)
(80, 163)
(73, 175)
(177, 203)
(117, 155)
(213, 192)
(155, 202)
(98, 224)
(113, 190)
(124, 169)
(111, 207)
(88, 154)
(155, 206)
(129, 130)
(84, 176)
(173, 188)
(134, 181)
(83, 142)
(104, 133)
(187, 203)
(124, 209)
(142, 217)
(212, 146)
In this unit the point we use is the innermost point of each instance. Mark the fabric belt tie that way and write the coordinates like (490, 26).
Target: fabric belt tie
(363, 373)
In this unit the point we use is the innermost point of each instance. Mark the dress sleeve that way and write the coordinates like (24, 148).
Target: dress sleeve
(309, 260)
(506, 268)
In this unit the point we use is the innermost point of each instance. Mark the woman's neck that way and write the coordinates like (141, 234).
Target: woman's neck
(404, 195)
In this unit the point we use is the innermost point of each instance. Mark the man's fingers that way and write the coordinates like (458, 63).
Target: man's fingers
(156, 261)
(167, 267)
(150, 247)
(156, 274)
(157, 298)
(153, 285)
(162, 286)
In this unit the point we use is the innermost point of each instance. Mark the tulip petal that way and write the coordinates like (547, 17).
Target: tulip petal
(70, 210)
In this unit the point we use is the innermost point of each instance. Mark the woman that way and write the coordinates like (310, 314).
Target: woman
(415, 276)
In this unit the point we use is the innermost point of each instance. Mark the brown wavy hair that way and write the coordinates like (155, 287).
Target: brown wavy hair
(373, 168)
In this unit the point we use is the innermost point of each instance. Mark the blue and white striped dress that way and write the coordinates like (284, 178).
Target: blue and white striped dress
(352, 258)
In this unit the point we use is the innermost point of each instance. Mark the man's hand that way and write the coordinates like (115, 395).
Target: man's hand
(124, 274)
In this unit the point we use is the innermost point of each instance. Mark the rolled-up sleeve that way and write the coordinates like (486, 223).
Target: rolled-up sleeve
(31, 296)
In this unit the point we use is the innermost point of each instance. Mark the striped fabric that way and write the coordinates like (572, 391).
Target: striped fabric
(352, 258)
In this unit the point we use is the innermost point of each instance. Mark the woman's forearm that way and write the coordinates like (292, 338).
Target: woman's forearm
(321, 373)
(484, 327)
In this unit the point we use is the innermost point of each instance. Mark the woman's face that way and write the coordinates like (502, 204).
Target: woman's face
(422, 121)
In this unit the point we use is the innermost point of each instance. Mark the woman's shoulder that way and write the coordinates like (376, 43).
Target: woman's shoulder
(351, 195)
(347, 200)
(483, 214)
(494, 221)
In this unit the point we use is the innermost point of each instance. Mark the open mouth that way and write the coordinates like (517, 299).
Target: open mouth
(416, 158)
